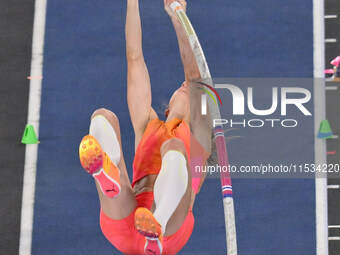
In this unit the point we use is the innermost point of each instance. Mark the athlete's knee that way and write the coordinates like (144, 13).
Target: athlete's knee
(173, 144)
(107, 114)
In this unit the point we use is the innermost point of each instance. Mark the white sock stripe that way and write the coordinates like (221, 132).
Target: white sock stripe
(105, 134)
(170, 186)
(175, 153)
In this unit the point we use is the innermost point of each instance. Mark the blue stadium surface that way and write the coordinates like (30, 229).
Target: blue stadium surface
(85, 69)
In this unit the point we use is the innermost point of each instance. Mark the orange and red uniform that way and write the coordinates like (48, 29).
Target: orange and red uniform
(122, 233)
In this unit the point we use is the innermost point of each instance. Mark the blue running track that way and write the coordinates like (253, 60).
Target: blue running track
(85, 69)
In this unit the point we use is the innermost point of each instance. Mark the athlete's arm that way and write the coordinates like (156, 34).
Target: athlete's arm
(188, 58)
(201, 128)
(139, 88)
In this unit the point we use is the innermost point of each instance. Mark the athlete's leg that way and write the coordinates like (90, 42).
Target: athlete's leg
(172, 193)
(173, 200)
(122, 205)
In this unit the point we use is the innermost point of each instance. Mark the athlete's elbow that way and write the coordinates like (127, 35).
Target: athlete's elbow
(134, 57)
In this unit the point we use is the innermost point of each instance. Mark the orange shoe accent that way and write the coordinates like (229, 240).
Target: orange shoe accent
(110, 168)
(147, 225)
(99, 165)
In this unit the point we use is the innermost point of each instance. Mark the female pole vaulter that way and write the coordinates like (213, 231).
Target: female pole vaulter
(153, 215)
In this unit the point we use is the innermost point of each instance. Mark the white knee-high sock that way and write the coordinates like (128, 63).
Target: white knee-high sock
(170, 186)
(102, 130)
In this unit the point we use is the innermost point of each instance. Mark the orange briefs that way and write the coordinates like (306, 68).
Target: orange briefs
(123, 235)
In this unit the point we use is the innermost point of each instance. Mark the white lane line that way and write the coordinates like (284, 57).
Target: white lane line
(335, 137)
(330, 40)
(33, 117)
(331, 16)
(321, 206)
(333, 186)
(334, 226)
(334, 238)
(331, 88)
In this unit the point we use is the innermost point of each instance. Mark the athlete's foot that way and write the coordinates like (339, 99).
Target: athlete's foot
(147, 225)
(96, 162)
